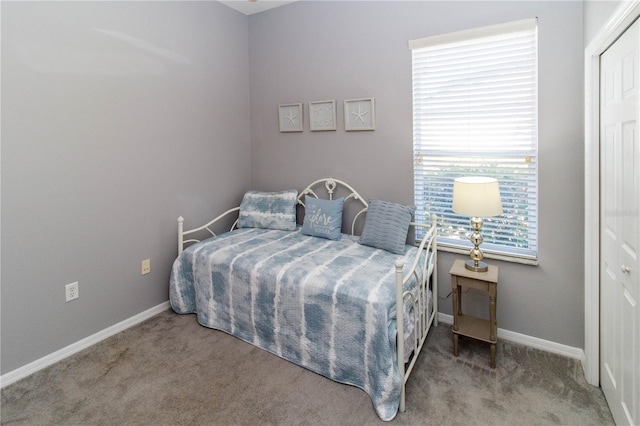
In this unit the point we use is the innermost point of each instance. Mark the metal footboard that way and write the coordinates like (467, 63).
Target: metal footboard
(426, 271)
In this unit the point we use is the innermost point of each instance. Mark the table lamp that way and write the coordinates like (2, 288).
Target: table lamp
(477, 197)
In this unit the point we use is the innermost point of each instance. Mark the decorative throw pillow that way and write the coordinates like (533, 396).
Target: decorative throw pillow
(386, 226)
(323, 218)
(268, 210)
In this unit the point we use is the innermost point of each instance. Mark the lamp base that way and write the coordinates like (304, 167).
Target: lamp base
(470, 265)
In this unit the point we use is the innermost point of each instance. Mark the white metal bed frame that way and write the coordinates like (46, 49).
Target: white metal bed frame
(426, 267)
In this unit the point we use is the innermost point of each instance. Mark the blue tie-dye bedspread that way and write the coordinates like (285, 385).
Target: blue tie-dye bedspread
(328, 306)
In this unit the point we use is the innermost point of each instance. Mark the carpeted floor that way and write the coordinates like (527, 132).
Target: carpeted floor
(171, 371)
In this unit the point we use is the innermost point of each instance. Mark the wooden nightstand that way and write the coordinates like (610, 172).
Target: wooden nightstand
(469, 326)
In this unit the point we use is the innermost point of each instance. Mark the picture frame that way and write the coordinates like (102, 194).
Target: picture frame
(359, 114)
(290, 117)
(322, 115)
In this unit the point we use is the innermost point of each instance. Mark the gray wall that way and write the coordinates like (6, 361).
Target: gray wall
(116, 118)
(340, 50)
(596, 15)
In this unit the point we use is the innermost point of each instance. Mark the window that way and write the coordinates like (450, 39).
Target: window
(475, 114)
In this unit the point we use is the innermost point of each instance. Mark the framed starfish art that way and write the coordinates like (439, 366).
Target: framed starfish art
(322, 115)
(291, 118)
(359, 114)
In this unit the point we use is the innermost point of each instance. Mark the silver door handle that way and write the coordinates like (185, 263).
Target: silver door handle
(625, 269)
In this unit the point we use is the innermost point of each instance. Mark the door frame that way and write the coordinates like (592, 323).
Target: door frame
(619, 21)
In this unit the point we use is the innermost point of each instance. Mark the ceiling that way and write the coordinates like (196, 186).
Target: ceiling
(249, 7)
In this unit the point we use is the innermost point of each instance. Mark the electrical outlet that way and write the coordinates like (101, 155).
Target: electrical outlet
(71, 292)
(146, 266)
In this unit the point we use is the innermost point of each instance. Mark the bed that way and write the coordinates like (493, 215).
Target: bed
(315, 277)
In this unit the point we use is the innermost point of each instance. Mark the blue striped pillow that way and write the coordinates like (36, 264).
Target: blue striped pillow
(268, 210)
(386, 226)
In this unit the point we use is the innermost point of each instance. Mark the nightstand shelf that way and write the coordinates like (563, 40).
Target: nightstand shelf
(476, 328)
(469, 326)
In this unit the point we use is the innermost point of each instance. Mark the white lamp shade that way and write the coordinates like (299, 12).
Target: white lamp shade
(477, 196)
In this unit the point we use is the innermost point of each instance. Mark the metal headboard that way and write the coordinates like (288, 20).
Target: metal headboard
(331, 187)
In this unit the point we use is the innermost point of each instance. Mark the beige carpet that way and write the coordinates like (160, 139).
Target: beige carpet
(171, 371)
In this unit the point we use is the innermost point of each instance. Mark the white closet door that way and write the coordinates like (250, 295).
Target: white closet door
(619, 227)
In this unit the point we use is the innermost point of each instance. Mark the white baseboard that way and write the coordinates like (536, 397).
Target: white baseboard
(534, 342)
(39, 364)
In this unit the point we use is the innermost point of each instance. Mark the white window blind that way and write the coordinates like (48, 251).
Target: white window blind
(475, 114)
